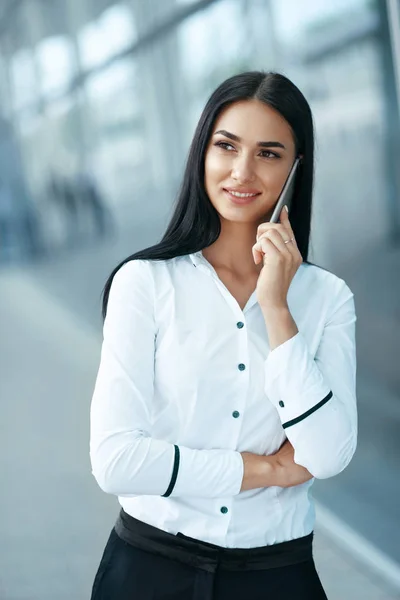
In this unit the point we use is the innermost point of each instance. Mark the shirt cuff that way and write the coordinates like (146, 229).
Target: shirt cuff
(293, 382)
(207, 473)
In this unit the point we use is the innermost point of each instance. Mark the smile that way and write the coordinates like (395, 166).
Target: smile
(241, 197)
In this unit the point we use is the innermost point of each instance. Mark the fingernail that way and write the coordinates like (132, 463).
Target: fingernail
(287, 210)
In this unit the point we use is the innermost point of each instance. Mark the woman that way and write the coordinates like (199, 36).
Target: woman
(227, 373)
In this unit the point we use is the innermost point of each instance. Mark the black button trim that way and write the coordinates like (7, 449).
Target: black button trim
(240, 325)
(174, 473)
(308, 413)
(224, 510)
(241, 367)
(235, 414)
(281, 403)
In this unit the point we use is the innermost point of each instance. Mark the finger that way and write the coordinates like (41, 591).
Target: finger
(263, 246)
(269, 248)
(289, 250)
(264, 227)
(276, 238)
(257, 253)
(284, 218)
(284, 214)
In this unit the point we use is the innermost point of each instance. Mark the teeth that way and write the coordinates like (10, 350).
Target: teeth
(239, 195)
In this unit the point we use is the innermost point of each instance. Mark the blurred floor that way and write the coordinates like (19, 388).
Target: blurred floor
(53, 531)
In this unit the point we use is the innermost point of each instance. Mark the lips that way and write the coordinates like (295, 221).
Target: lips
(243, 190)
(251, 195)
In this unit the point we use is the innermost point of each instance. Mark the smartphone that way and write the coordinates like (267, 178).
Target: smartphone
(286, 194)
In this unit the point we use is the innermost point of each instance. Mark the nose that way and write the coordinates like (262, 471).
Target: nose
(242, 170)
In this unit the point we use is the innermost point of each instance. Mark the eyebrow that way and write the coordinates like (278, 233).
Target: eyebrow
(236, 138)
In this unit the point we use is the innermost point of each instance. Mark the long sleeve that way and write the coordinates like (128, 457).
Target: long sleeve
(316, 397)
(125, 458)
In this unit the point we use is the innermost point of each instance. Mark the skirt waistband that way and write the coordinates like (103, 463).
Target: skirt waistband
(206, 556)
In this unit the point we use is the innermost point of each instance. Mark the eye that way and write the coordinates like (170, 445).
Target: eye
(224, 145)
(271, 154)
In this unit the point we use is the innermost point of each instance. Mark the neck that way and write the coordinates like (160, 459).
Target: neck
(232, 249)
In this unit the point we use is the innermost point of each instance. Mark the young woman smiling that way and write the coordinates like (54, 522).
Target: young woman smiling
(227, 375)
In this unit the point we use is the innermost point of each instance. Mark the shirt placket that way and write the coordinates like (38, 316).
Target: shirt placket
(241, 370)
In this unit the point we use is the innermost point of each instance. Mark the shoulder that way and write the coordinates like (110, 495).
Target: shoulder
(131, 278)
(324, 278)
(131, 271)
(138, 272)
(331, 290)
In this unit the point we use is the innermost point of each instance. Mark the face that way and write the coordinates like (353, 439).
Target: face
(251, 151)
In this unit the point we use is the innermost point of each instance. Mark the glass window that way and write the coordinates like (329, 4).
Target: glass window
(56, 64)
(50, 141)
(23, 79)
(333, 53)
(237, 41)
(208, 34)
(116, 129)
(112, 33)
(294, 18)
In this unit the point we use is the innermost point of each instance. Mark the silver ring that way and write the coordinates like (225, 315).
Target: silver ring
(287, 241)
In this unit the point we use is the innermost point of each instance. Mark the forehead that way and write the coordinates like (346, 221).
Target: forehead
(254, 121)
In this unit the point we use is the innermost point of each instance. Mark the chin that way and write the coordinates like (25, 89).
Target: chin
(244, 214)
(238, 216)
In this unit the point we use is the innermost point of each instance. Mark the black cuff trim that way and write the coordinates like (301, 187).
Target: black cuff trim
(308, 413)
(174, 473)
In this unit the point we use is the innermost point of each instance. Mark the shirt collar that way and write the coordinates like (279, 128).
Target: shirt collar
(197, 258)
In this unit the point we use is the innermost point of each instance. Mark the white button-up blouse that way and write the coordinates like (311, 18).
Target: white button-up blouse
(187, 381)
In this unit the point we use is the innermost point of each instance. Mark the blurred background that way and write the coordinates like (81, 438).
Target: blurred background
(98, 103)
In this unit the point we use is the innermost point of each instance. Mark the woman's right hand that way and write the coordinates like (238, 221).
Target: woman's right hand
(277, 469)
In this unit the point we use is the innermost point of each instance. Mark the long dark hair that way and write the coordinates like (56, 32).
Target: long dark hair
(195, 223)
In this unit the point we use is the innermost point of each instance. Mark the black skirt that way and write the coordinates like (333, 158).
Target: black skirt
(143, 562)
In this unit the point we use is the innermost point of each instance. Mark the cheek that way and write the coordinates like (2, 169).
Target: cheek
(274, 179)
(214, 168)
